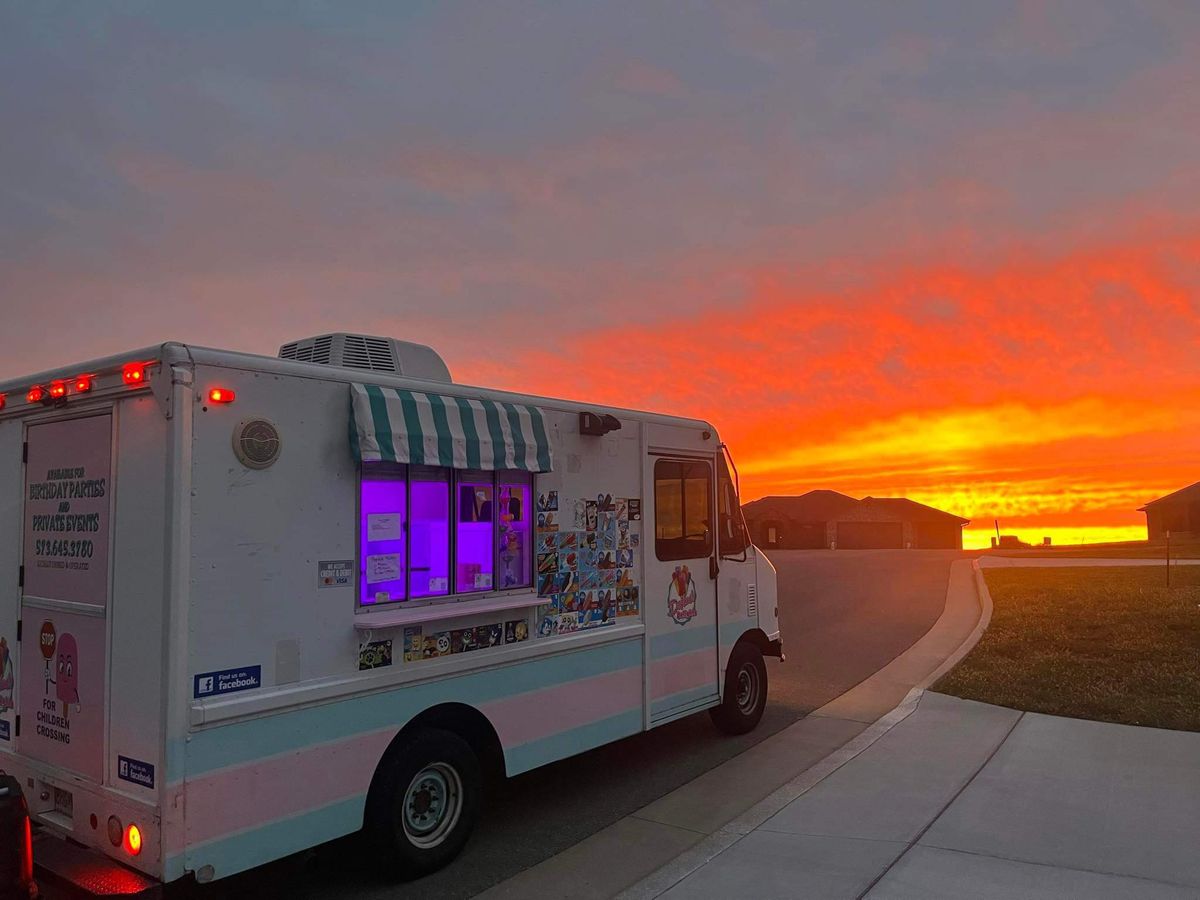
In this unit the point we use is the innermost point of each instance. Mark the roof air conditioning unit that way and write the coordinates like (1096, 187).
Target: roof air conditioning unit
(374, 354)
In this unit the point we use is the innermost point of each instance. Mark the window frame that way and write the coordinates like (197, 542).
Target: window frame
(675, 549)
(499, 478)
(727, 493)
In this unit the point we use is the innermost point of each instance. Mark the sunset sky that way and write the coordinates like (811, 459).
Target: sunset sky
(939, 250)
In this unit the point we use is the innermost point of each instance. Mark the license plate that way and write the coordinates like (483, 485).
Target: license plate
(64, 803)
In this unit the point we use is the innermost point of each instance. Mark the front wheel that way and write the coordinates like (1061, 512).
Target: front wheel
(424, 803)
(745, 695)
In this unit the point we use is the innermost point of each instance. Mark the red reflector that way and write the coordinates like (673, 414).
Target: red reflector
(83, 384)
(36, 394)
(221, 395)
(134, 373)
(58, 390)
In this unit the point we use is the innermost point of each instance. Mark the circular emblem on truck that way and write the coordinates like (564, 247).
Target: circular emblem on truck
(256, 443)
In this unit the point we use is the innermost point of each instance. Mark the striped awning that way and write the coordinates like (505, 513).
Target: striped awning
(390, 425)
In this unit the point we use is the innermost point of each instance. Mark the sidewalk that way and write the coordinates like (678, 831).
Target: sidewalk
(963, 799)
(693, 822)
(950, 798)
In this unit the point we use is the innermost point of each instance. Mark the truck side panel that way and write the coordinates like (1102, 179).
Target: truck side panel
(137, 608)
(270, 786)
(289, 772)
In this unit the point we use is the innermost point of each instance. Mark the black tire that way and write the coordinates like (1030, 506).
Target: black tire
(745, 695)
(423, 803)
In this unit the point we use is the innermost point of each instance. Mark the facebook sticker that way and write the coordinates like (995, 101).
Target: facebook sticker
(227, 681)
(135, 771)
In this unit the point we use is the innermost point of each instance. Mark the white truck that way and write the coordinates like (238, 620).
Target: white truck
(255, 603)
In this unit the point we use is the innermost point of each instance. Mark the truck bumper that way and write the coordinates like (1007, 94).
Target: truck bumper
(66, 869)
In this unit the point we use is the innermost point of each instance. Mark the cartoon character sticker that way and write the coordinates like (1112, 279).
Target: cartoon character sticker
(6, 676)
(66, 688)
(681, 596)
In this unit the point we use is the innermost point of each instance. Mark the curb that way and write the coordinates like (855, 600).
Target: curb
(663, 879)
(984, 596)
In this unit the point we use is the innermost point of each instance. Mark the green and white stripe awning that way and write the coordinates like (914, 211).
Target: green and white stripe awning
(390, 425)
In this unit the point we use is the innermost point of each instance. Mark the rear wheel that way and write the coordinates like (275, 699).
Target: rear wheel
(745, 695)
(424, 803)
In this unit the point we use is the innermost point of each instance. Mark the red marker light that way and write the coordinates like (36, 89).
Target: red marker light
(133, 840)
(83, 384)
(134, 373)
(27, 854)
(221, 395)
(3, 401)
(36, 394)
(58, 390)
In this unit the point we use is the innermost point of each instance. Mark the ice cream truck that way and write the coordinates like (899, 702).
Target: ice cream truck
(257, 603)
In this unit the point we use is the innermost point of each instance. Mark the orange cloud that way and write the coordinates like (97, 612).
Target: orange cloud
(1054, 394)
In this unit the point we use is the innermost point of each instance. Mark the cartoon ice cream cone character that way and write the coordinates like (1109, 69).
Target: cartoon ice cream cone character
(66, 687)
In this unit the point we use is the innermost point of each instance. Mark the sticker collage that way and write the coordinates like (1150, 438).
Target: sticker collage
(585, 561)
(418, 645)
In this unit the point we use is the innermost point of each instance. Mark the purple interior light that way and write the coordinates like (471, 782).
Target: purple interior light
(430, 569)
(474, 568)
(378, 497)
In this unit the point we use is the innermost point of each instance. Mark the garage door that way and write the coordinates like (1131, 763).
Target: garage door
(806, 536)
(870, 536)
(936, 536)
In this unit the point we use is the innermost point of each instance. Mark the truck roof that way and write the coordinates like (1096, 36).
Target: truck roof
(174, 352)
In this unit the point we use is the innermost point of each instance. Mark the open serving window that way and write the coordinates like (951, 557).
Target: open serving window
(446, 494)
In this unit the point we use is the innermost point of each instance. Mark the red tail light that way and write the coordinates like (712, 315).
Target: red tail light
(221, 395)
(27, 855)
(36, 394)
(134, 373)
(58, 390)
(83, 384)
(133, 840)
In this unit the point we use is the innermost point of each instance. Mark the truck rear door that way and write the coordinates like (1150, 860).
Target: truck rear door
(65, 592)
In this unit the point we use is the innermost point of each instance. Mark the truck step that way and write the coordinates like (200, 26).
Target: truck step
(67, 870)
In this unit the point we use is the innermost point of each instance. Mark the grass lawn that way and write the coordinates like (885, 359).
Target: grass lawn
(1112, 644)
(1180, 549)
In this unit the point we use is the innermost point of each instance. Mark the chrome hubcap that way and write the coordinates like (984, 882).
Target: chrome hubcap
(432, 804)
(747, 689)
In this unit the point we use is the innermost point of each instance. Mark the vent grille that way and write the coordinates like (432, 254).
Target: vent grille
(375, 354)
(315, 351)
(368, 353)
(752, 600)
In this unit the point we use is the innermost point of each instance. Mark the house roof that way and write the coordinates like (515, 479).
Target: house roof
(824, 506)
(1183, 495)
(911, 511)
(815, 506)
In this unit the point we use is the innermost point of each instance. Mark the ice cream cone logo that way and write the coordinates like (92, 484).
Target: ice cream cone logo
(681, 596)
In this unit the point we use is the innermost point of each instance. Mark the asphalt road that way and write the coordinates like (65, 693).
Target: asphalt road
(845, 615)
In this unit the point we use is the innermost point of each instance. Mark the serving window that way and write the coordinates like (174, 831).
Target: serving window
(429, 531)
